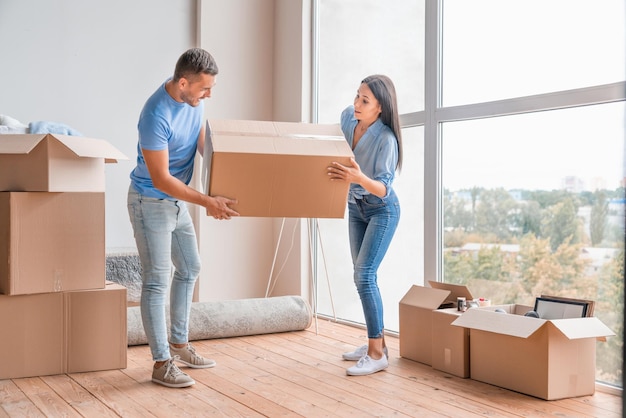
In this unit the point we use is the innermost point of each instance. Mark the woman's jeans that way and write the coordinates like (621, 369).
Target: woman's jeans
(164, 234)
(373, 221)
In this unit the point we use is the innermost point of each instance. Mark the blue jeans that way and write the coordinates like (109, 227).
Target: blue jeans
(165, 235)
(373, 222)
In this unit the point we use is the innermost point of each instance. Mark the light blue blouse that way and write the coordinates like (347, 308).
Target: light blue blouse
(376, 152)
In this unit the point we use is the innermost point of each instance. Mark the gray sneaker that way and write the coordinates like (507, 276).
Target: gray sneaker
(171, 376)
(360, 352)
(187, 355)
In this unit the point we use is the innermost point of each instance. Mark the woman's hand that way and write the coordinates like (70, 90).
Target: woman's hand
(351, 174)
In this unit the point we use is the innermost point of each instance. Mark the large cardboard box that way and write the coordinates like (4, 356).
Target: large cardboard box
(276, 169)
(32, 335)
(416, 317)
(548, 359)
(63, 332)
(96, 329)
(50, 242)
(450, 344)
(54, 163)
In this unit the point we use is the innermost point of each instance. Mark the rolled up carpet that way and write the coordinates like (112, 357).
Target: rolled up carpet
(234, 318)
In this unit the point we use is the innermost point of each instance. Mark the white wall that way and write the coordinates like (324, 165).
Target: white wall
(93, 64)
(259, 49)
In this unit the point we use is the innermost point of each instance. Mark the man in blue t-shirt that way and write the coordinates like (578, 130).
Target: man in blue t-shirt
(170, 133)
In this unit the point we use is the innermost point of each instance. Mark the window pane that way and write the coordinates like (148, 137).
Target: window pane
(495, 49)
(534, 204)
(369, 37)
(403, 265)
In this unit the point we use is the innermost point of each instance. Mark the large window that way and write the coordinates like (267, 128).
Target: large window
(532, 182)
(357, 39)
(514, 120)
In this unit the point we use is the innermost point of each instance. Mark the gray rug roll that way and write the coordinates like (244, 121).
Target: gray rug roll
(234, 318)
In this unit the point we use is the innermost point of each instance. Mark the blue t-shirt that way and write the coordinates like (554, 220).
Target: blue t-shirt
(163, 124)
(376, 152)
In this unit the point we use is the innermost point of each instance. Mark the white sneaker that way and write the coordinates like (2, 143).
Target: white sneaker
(368, 365)
(360, 352)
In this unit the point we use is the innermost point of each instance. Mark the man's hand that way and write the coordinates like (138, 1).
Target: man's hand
(219, 207)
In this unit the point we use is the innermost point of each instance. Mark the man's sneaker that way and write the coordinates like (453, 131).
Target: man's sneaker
(171, 376)
(368, 365)
(188, 356)
(360, 352)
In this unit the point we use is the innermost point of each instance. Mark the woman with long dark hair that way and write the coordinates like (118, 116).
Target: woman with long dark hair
(371, 127)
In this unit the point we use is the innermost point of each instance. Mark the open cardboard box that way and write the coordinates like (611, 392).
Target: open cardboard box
(416, 317)
(450, 344)
(54, 163)
(276, 169)
(548, 359)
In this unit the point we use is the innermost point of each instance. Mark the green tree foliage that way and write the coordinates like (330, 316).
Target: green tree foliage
(599, 215)
(494, 213)
(610, 308)
(561, 223)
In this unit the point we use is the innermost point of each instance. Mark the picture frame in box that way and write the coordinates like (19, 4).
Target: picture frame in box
(553, 308)
(590, 303)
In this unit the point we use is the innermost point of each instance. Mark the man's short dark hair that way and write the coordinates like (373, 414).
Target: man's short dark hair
(195, 61)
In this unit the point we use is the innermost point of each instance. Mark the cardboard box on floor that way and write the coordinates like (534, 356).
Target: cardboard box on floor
(51, 242)
(63, 332)
(548, 359)
(450, 344)
(276, 169)
(96, 329)
(54, 163)
(416, 317)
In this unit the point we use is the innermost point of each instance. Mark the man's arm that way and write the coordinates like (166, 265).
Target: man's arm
(158, 167)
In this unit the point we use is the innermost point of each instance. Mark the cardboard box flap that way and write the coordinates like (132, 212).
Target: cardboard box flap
(221, 127)
(456, 290)
(309, 130)
(577, 328)
(19, 144)
(499, 323)
(279, 146)
(82, 147)
(91, 148)
(312, 146)
(240, 127)
(424, 297)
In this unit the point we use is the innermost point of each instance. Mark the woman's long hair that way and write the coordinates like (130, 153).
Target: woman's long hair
(383, 89)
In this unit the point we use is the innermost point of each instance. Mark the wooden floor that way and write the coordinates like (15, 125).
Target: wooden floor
(288, 374)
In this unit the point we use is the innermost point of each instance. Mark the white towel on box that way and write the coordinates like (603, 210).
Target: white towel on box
(11, 122)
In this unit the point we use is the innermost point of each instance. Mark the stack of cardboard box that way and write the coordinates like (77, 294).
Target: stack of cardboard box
(59, 315)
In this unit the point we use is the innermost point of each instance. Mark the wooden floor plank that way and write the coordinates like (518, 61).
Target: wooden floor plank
(300, 375)
(397, 392)
(291, 374)
(45, 399)
(77, 397)
(16, 403)
(509, 401)
(201, 399)
(274, 385)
